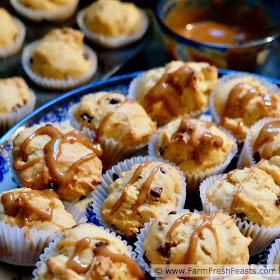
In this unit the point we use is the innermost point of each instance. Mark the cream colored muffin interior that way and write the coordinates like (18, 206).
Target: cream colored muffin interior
(9, 31)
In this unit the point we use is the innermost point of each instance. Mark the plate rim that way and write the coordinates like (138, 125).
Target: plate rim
(99, 83)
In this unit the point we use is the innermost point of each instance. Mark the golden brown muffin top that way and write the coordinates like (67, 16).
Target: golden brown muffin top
(141, 193)
(14, 94)
(190, 238)
(49, 5)
(35, 209)
(113, 18)
(250, 193)
(182, 88)
(89, 252)
(9, 30)
(192, 144)
(60, 55)
(57, 157)
(111, 115)
(241, 102)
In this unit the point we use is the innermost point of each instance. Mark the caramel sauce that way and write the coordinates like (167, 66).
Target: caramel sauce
(207, 223)
(237, 102)
(200, 136)
(52, 150)
(266, 136)
(213, 193)
(23, 205)
(133, 179)
(239, 190)
(230, 174)
(169, 89)
(100, 250)
(99, 131)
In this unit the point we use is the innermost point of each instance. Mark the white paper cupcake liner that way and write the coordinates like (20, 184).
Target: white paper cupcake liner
(59, 14)
(132, 95)
(57, 84)
(273, 252)
(108, 41)
(53, 243)
(16, 46)
(8, 121)
(113, 151)
(261, 236)
(215, 116)
(194, 179)
(246, 157)
(101, 191)
(22, 246)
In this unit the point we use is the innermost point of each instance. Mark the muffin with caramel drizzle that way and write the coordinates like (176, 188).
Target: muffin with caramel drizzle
(35, 209)
(191, 238)
(199, 148)
(238, 103)
(140, 194)
(89, 252)
(179, 89)
(109, 115)
(60, 158)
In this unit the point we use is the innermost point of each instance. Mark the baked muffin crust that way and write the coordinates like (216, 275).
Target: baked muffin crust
(141, 193)
(14, 94)
(89, 252)
(35, 209)
(9, 31)
(57, 157)
(49, 5)
(60, 55)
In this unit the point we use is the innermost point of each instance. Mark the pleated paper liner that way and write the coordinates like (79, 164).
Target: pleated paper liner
(16, 46)
(57, 84)
(23, 246)
(261, 236)
(62, 13)
(109, 41)
(101, 191)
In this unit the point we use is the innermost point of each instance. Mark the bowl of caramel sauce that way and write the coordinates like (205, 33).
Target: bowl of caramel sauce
(233, 34)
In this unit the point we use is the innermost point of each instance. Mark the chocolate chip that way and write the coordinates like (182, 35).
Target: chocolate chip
(115, 176)
(102, 242)
(278, 200)
(172, 212)
(162, 170)
(164, 249)
(115, 101)
(162, 149)
(86, 56)
(160, 223)
(156, 192)
(139, 178)
(86, 117)
(53, 186)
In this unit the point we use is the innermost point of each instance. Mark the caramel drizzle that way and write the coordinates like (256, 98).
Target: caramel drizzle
(100, 130)
(52, 150)
(266, 136)
(239, 190)
(169, 89)
(23, 205)
(133, 179)
(200, 136)
(100, 250)
(238, 100)
(214, 192)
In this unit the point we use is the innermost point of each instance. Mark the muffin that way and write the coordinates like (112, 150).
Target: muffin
(198, 148)
(60, 60)
(239, 103)
(16, 101)
(191, 238)
(35, 209)
(179, 89)
(109, 115)
(273, 257)
(57, 157)
(12, 34)
(89, 252)
(113, 23)
(262, 142)
(141, 193)
(51, 10)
